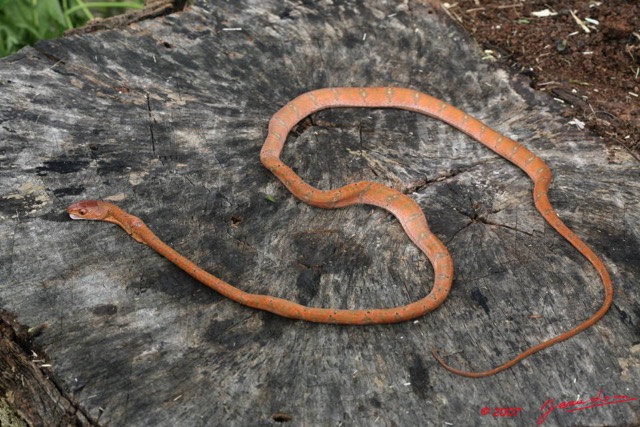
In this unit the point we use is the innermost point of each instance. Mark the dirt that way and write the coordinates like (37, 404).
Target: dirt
(586, 54)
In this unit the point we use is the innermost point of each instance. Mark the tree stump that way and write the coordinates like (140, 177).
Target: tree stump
(166, 117)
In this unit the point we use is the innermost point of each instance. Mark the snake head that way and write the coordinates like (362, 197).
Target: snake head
(103, 211)
(89, 209)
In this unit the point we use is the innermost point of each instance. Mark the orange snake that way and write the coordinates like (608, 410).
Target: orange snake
(406, 210)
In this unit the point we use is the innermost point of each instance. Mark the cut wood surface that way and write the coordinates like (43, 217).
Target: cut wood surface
(166, 118)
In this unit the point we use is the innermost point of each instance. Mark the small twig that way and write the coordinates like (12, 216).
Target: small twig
(447, 8)
(507, 6)
(579, 21)
(579, 82)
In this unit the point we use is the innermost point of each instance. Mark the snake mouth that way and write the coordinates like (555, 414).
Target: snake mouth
(74, 216)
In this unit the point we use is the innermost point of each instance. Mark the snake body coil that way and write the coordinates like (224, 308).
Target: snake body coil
(401, 206)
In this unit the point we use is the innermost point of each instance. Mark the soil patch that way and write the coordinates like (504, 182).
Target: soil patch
(585, 53)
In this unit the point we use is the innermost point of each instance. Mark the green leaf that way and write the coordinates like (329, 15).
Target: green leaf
(54, 11)
(24, 22)
(104, 5)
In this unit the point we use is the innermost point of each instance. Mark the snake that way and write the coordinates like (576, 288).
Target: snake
(404, 208)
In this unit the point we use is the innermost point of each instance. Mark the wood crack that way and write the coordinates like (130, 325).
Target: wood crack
(419, 185)
(153, 140)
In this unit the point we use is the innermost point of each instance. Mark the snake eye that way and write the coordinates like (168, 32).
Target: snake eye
(82, 212)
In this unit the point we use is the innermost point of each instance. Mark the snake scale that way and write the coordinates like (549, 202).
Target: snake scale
(405, 209)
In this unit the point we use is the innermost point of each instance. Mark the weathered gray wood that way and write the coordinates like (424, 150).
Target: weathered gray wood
(167, 117)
